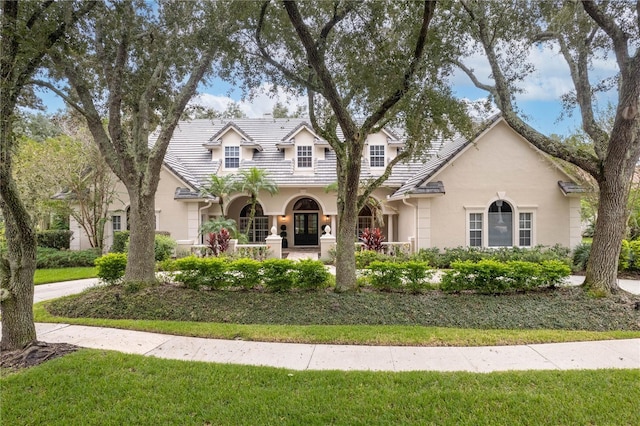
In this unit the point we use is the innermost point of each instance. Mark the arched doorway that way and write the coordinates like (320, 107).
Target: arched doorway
(500, 224)
(260, 226)
(305, 222)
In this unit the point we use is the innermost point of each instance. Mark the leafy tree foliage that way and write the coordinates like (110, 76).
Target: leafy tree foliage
(28, 30)
(138, 66)
(583, 32)
(363, 66)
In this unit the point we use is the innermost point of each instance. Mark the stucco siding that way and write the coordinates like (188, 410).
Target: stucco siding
(500, 165)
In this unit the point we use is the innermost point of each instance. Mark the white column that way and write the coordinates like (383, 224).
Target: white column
(193, 222)
(274, 241)
(390, 236)
(334, 227)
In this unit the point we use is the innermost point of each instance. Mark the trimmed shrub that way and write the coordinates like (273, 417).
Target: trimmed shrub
(625, 256)
(278, 274)
(385, 276)
(417, 276)
(311, 274)
(163, 247)
(111, 267)
(491, 277)
(634, 247)
(60, 240)
(47, 258)
(246, 273)
(120, 239)
(554, 272)
(535, 254)
(365, 257)
(430, 255)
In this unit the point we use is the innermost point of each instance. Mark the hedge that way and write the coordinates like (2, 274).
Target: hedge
(51, 258)
(111, 267)
(492, 277)
(387, 276)
(277, 275)
(55, 239)
(443, 259)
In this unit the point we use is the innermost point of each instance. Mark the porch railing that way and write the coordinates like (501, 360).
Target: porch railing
(392, 248)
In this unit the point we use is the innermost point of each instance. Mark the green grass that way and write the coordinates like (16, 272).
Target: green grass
(45, 276)
(397, 335)
(93, 387)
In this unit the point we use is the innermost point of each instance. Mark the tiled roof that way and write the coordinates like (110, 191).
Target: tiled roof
(188, 159)
(571, 188)
(192, 162)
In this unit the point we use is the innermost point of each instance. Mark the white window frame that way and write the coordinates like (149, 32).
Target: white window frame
(380, 156)
(228, 157)
(531, 229)
(472, 225)
(113, 223)
(307, 149)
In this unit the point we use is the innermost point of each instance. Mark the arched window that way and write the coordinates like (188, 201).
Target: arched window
(500, 224)
(260, 226)
(365, 220)
(306, 204)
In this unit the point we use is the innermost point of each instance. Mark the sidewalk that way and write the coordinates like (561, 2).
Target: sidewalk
(553, 356)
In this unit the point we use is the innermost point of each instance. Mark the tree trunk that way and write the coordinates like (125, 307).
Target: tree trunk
(16, 272)
(141, 259)
(602, 268)
(348, 183)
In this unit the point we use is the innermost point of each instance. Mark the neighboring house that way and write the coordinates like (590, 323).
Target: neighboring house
(494, 190)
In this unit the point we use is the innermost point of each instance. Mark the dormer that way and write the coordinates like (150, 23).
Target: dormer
(303, 147)
(230, 145)
(380, 149)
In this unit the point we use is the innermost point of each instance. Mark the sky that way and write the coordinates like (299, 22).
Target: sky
(540, 103)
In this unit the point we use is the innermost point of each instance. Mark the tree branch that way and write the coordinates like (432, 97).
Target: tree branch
(609, 26)
(427, 15)
(327, 85)
(265, 55)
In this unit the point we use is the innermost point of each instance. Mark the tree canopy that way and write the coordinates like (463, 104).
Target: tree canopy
(582, 32)
(364, 66)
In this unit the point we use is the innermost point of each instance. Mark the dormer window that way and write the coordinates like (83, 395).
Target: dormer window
(305, 156)
(376, 156)
(231, 157)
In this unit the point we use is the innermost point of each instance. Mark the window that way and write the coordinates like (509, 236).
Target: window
(376, 155)
(260, 226)
(500, 224)
(475, 229)
(365, 220)
(526, 220)
(304, 156)
(231, 157)
(116, 223)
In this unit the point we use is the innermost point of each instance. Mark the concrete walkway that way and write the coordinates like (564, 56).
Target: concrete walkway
(555, 356)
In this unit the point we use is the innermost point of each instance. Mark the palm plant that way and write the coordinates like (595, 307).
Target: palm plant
(220, 187)
(252, 181)
(215, 225)
(374, 205)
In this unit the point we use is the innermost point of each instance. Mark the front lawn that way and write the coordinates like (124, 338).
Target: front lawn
(54, 275)
(93, 387)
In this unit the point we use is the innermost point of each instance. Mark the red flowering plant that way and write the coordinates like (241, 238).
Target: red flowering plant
(372, 239)
(218, 242)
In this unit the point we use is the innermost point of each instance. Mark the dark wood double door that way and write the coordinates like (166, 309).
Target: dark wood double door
(305, 228)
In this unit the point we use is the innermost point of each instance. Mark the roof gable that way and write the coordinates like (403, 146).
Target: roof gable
(450, 152)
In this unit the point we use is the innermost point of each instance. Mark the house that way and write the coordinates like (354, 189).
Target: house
(493, 190)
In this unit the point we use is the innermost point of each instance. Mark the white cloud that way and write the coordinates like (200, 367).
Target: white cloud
(548, 82)
(262, 101)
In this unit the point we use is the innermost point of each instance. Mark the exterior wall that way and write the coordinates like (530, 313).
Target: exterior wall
(501, 165)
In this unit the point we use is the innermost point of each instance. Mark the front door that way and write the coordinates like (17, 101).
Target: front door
(305, 229)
